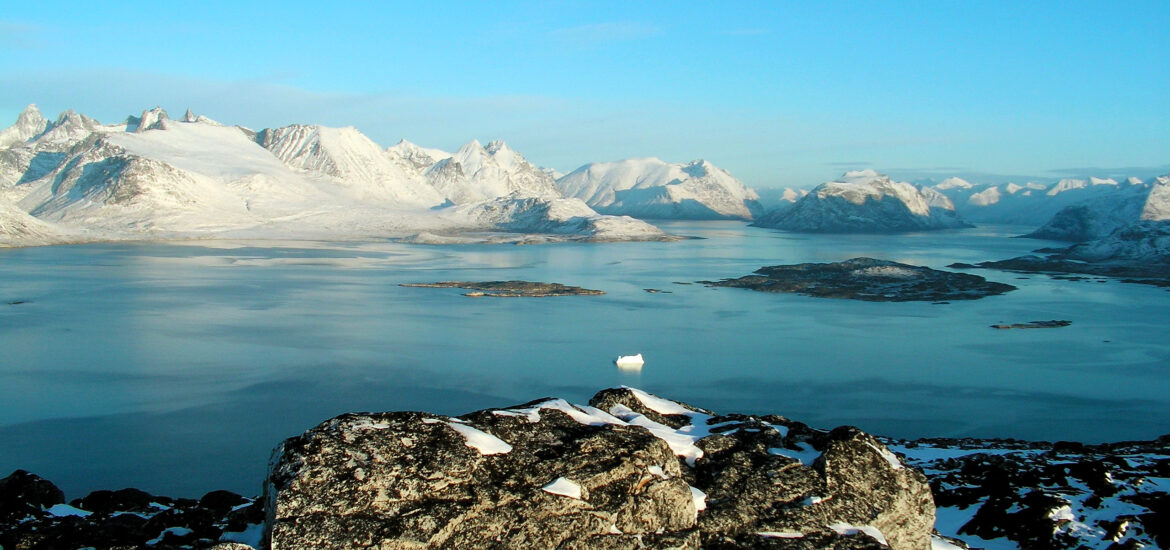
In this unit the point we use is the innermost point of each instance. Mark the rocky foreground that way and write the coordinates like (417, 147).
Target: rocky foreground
(867, 279)
(629, 470)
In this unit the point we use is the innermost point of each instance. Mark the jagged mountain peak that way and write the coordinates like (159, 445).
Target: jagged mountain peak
(152, 119)
(29, 124)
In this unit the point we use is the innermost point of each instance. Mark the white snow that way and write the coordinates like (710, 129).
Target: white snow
(699, 498)
(563, 486)
(65, 510)
(847, 529)
(485, 443)
(658, 404)
(649, 188)
(252, 535)
(885, 453)
(656, 470)
(781, 534)
(807, 455)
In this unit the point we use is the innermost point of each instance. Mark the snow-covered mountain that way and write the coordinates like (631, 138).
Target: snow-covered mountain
(1145, 243)
(1100, 216)
(155, 177)
(477, 173)
(29, 124)
(865, 202)
(351, 159)
(1030, 203)
(652, 189)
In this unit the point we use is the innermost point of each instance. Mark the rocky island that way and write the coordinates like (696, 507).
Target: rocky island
(1136, 253)
(867, 279)
(629, 470)
(510, 289)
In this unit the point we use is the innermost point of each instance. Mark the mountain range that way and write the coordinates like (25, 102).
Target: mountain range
(74, 179)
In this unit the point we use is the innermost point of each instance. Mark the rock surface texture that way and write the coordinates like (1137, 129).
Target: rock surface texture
(868, 279)
(630, 470)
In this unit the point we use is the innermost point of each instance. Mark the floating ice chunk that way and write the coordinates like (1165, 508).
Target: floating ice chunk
(485, 443)
(699, 498)
(781, 534)
(64, 510)
(629, 361)
(847, 529)
(806, 455)
(564, 487)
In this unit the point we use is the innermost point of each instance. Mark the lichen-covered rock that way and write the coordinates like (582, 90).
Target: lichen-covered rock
(630, 470)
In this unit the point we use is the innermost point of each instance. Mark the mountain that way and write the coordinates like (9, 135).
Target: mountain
(865, 202)
(1098, 217)
(351, 159)
(563, 219)
(652, 189)
(155, 177)
(29, 124)
(477, 173)
(1031, 203)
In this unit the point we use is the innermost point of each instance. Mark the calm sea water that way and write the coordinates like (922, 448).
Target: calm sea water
(176, 368)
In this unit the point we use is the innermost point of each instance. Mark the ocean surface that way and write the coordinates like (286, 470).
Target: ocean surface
(177, 367)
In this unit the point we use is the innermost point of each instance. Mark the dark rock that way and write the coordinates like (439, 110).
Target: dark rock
(510, 289)
(868, 279)
(108, 502)
(23, 494)
(1035, 324)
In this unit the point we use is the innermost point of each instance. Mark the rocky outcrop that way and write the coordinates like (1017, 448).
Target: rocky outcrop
(33, 514)
(510, 289)
(867, 279)
(630, 470)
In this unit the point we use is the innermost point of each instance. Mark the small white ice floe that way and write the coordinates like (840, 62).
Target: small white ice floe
(629, 361)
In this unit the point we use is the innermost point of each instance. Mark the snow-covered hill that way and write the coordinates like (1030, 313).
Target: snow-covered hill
(154, 177)
(1098, 217)
(652, 189)
(865, 202)
(1030, 203)
(477, 173)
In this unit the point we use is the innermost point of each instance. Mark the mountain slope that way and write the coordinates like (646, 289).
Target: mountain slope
(865, 202)
(1098, 217)
(651, 188)
(29, 124)
(350, 158)
(476, 173)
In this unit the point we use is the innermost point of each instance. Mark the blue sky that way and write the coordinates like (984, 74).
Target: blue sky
(779, 93)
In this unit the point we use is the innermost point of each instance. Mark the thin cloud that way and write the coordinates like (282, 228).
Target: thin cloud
(588, 36)
(1111, 171)
(20, 36)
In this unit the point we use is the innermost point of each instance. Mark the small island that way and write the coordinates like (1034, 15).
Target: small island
(1034, 324)
(510, 289)
(867, 279)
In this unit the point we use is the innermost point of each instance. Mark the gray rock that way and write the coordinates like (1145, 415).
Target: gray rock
(628, 471)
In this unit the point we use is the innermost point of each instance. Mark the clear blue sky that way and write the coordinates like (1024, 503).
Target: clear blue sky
(779, 93)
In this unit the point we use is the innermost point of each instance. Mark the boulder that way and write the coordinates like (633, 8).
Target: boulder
(629, 470)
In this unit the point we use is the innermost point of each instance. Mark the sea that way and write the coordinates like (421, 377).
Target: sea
(177, 367)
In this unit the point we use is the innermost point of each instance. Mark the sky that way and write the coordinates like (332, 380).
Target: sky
(778, 93)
